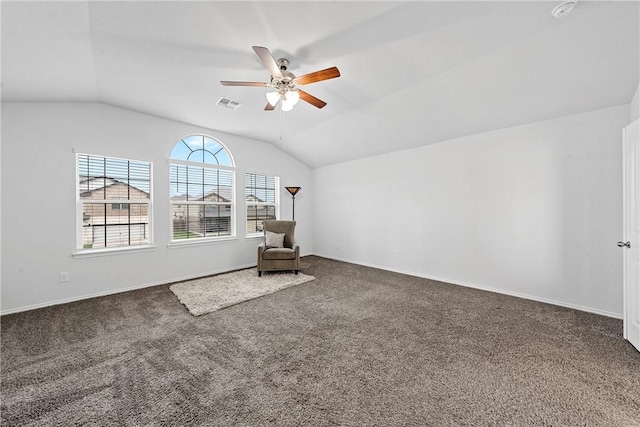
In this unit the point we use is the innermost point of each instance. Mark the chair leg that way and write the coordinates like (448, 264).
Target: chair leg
(259, 273)
(296, 272)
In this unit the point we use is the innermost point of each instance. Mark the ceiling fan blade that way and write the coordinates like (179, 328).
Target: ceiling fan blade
(228, 83)
(268, 61)
(311, 99)
(329, 73)
(269, 107)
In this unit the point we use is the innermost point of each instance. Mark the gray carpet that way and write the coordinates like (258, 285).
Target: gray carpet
(355, 347)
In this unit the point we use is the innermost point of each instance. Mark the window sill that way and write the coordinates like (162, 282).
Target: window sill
(254, 236)
(89, 253)
(199, 242)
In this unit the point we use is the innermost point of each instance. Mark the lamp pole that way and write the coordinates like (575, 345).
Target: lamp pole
(293, 191)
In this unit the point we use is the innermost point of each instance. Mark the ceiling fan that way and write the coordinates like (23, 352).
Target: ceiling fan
(285, 83)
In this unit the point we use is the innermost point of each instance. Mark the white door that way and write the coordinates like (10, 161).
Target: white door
(631, 243)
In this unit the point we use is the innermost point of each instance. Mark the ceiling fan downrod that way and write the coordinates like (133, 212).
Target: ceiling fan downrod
(283, 63)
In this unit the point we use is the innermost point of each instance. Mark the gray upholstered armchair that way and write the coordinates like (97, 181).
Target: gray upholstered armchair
(277, 258)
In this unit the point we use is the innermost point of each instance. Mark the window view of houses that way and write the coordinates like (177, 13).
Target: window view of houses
(261, 199)
(201, 218)
(115, 197)
(201, 201)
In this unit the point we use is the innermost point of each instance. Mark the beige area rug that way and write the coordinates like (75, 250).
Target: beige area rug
(208, 294)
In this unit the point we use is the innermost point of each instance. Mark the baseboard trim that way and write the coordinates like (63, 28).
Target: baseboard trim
(118, 291)
(483, 288)
(240, 267)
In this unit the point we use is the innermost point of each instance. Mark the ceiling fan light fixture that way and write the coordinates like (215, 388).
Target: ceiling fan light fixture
(273, 98)
(292, 96)
(287, 105)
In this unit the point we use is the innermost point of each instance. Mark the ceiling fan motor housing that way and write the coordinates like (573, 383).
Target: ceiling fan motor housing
(287, 81)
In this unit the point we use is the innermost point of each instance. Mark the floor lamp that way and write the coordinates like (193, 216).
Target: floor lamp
(293, 191)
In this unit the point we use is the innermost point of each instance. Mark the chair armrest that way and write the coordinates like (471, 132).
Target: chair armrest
(261, 248)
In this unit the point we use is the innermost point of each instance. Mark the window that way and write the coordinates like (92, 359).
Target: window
(114, 202)
(261, 197)
(201, 189)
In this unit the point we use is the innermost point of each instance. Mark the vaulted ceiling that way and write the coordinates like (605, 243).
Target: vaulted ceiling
(413, 73)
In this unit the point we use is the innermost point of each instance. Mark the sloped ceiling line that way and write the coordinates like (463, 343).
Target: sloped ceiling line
(413, 73)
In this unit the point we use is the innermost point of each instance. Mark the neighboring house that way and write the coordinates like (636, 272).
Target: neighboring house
(258, 212)
(111, 224)
(201, 218)
(214, 215)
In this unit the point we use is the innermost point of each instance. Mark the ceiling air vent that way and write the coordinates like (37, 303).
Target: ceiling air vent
(227, 103)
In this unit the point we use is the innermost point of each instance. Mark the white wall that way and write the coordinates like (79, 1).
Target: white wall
(38, 202)
(534, 210)
(635, 105)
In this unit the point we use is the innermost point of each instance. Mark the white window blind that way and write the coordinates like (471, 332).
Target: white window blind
(261, 197)
(114, 200)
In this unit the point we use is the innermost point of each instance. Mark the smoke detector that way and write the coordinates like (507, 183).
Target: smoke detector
(563, 9)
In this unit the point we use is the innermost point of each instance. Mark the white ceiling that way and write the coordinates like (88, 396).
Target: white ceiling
(413, 73)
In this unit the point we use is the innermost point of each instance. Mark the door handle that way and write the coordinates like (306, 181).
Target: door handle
(626, 244)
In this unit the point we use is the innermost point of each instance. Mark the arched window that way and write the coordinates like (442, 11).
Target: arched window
(201, 192)
(202, 149)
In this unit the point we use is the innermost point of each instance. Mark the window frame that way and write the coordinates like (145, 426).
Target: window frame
(206, 166)
(80, 249)
(275, 204)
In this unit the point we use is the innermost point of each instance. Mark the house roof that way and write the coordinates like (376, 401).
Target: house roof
(413, 73)
(89, 185)
(94, 182)
(253, 198)
(211, 196)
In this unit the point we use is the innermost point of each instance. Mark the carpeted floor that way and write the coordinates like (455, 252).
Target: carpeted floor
(355, 347)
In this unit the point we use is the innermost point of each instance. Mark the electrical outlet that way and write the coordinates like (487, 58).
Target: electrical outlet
(64, 276)
(395, 253)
